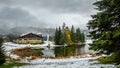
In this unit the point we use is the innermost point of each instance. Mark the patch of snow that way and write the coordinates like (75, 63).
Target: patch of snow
(10, 45)
(88, 41)
(12, 55)
(66, 63)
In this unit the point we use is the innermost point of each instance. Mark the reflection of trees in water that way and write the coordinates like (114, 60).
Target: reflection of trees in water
(67, 51)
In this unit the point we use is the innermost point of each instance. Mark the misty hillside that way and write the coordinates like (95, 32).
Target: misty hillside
(22, 30)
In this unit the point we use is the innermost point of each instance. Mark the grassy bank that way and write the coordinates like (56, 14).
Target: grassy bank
(10, 65)
(107, 59)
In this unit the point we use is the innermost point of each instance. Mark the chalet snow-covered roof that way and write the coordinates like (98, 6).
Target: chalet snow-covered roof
(30, 35)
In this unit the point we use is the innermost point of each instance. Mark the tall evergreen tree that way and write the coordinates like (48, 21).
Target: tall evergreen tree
(63, 35)
(82, 37)
(2, 57)
(78, 35)
(73, 36)
(56, 36)
(59, 36)
(105, 28)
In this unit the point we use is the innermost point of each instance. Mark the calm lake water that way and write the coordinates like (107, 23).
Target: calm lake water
(63, 51)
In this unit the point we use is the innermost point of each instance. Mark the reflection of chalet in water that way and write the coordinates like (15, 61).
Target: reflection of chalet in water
(30, 39)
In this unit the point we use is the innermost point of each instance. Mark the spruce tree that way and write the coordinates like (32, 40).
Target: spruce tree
(82, 37)
(73, 36)
(63, 35)
(59, 36)
(105, 28)
(2, 57)
(56, 36)
(78, 35)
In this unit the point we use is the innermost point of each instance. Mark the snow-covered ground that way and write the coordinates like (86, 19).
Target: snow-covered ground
(72, 62)
(14, 46)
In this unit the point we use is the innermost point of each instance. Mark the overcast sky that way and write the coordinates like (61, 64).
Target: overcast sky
(45, 13)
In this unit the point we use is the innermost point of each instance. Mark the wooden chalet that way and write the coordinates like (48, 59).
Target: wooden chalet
(30, 39)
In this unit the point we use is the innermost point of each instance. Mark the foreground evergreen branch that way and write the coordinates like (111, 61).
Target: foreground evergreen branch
(105, 28)
(2, 57)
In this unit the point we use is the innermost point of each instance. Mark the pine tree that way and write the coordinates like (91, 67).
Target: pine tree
(59, 36)
(82, 37)
(63, 35)
(78, 35)
(56, 36)
(105, 28)
(2, 57)
(73, 36)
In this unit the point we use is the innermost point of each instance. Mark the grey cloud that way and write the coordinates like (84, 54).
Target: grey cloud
(72, 6)
(17, 17)
(61, 6)
(44, 13)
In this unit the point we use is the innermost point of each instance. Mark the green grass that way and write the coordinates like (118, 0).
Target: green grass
(107, 60)
(9, 65)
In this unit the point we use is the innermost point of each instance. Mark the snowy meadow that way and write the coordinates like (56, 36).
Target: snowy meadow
(73, 61)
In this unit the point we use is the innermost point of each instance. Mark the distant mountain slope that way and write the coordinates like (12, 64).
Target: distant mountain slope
(22, 30)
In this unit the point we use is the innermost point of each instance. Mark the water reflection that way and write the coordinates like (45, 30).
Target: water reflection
(48, 53)
(64, 51)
